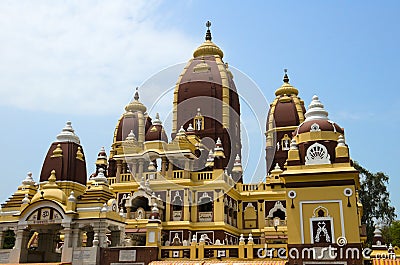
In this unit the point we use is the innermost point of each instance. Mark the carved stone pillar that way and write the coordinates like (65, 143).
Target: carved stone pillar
(170, 169)
(19, 253)
(163, 166)
(133, 170)
(119, 169)
(186, 207)
(140, 170)
(168, 205)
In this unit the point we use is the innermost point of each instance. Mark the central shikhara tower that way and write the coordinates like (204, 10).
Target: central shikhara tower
(182, 196)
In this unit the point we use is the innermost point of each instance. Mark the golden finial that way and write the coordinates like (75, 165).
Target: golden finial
(208, 34)
(79, 154)
(52, 177)
(58, 151)
(285, 77)
(136, 97)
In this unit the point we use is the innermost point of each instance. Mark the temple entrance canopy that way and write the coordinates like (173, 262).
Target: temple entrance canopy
(41, 233)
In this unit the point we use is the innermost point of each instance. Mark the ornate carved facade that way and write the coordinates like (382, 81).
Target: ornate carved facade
(183, 198)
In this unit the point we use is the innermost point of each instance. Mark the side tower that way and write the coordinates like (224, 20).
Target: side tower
(323, 209)
(206, 99)
(66, 157)
(285, 114)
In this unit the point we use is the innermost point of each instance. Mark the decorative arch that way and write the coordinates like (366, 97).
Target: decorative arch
(317, 154)
(137, 194)
(321, 226)
(52, 211)
(317, 211)
(278, 206)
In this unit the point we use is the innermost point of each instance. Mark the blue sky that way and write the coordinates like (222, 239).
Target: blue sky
(81, 62)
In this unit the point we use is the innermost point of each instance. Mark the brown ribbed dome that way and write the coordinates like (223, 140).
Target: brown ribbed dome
(285, 114)
(322, 125)
(66, 157)
(156, 131)
(205, 97)
(129, 122)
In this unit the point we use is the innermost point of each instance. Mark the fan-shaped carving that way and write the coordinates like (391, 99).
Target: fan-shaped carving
(317, 154)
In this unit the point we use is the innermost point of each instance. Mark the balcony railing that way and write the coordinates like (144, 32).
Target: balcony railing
(251, 187)
(178, 174)
(202, 175)
(112, 180)
(126, 177)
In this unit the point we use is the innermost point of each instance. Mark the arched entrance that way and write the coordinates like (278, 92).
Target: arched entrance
(40, 234)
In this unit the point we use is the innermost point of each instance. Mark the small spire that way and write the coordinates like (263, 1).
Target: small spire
(101, 177)
(181, 132)
(341, 141)
(26, 200)
(79, 154)
(52, 178)
(316, 110)
(190, 128)
(104, 209)
(219, 149)
(130, 137)
(285, 77)
(136, 97)
(58, 151)
(68, 134)
(293, 144)
(28, 180)
(208, 34)
(237, 166)
(71, 197)
(157, 120)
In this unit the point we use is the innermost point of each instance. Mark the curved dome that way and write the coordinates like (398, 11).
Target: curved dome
(208, 48)
(317, 119)
(319, 125)
(156, 131)
(205, 97)
(131, 120)
(285, 114)
(127, 123)
(135, 104)
(67, 157)
(51, 191)
(319, 141)
(287, 109)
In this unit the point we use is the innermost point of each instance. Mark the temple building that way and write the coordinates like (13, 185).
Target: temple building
(180, 198)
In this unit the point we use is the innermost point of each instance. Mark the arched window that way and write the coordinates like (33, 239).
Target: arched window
(205, 208)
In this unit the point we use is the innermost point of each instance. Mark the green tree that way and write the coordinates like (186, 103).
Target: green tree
(391, 233)
(374, 197)
(9, 239)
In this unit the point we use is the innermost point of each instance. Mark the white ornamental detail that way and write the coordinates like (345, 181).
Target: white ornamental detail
(322, 231)
(317, 154)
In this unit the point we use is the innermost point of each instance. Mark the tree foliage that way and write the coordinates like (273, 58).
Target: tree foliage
(9, 239)
(391, 233)
(374, 197)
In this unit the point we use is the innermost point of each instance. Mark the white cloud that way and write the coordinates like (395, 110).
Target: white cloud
(82, 56)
